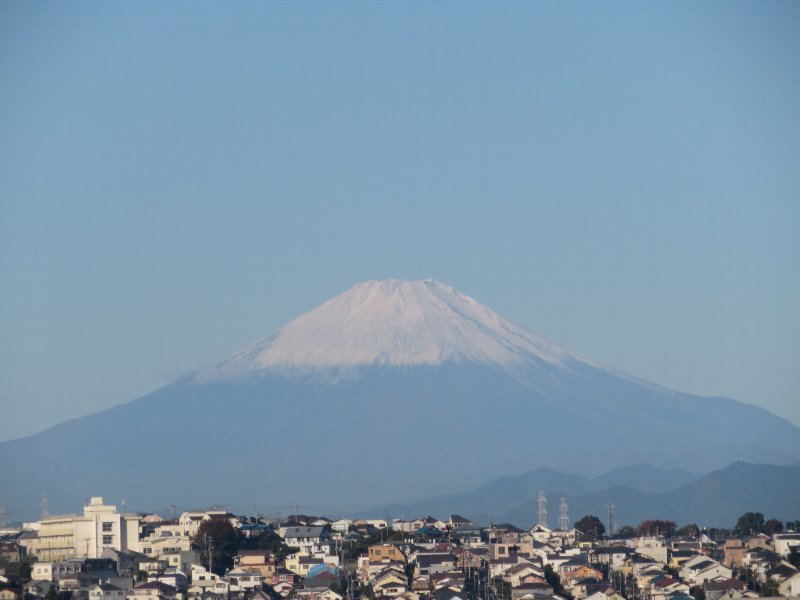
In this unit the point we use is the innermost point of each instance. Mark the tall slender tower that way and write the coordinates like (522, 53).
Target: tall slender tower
(542, 509)
(45, 506)
(610, 509)
(563, 519)
(2, 514)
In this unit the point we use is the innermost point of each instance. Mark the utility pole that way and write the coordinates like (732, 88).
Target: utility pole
(209, 550)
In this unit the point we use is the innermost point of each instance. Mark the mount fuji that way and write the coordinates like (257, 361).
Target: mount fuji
(390, 392)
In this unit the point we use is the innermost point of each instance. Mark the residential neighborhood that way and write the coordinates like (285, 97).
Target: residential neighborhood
(103, 553)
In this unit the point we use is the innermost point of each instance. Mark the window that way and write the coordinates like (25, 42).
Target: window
(107, 526)
(108, 539)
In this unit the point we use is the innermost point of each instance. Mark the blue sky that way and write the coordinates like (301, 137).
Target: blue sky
(179, 179)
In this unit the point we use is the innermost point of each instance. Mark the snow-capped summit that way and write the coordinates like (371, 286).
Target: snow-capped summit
(397, 323)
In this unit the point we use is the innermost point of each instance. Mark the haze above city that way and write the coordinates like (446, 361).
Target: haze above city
(179, 180)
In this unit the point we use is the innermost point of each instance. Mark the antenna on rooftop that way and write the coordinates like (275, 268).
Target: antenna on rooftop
(542, 509)
(610, 509)
(563, 519)
(123, 503)
(45, 506)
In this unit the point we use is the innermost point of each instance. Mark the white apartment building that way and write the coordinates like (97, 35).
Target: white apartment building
(84, 536)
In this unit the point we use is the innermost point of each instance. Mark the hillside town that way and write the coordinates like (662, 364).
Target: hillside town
(106, 554)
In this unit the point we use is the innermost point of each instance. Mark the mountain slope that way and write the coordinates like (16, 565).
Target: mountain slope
(390, 392)
(715, 500)
(504, 495)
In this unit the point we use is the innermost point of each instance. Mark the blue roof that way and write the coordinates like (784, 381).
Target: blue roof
(428, 531)
(318, 569)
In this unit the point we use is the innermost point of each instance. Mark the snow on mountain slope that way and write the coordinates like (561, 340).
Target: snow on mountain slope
(397, 323)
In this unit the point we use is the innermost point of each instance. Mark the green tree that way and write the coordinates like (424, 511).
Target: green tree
(624, 532)
(502, 588)
(590, 525)
(697, 592)
(769, 588)
(554, 581)
(656, 527)
(749, 523)
(220, 535)
(25, 570)
(794, 556)
(52, 593)
(772, 526)
(269, 540)
(336, 586)
(690, 529)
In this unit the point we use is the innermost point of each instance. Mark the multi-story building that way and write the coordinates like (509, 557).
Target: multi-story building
(84, 536)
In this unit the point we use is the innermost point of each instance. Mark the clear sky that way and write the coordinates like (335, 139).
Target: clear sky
(178, 179)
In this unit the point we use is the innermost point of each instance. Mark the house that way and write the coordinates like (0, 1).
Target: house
(10, 593)
(191, 521)
(154, 590)
(78, 584)
(523, 573)
(302, 562)
(787, 577)
(390, 584)
(715, 590)
(734, 549)
(653, 547)
(701, 569)
(306, 539)
(283, 575)
(582, 572)
(502, 551)
(106, 591)
(386, 551)
(678, 557)
(244, 579)
(367, 525)
(784, 542)
(613, 556)
(38, 588)
(428, 564)
(609, 594)
(531, 591)
(9, 551)
(448, 594)
(329, 595)
(662, 587)
(260, 560)
(540, 532)
(572, 564)
(42, 570)
(171, 576)
(284, 588)
(342, 525)
(167, 547)
(468, 535)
